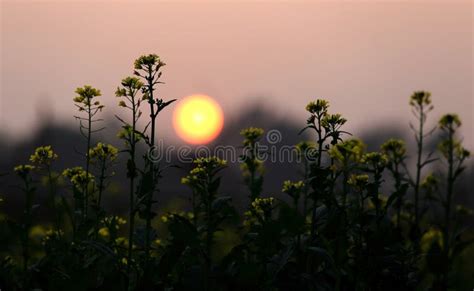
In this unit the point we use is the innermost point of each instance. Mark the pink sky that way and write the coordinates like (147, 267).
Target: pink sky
(365, 57)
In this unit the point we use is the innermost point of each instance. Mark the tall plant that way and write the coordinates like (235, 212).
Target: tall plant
(149, 69)
(86, 101)
(129, 90)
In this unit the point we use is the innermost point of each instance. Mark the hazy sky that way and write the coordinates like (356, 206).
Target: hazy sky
(365, 57)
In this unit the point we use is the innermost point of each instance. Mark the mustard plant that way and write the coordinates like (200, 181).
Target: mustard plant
(42, 158)
(129, 90)
(395, 151)
(252, 165)
(375, 164)
(24, 172)
(328, 132)
(86, 101)
(149, 69)
(420, 101)
(306, 152)
(102, 157)
(454, 154)
(212, 209)
(80, 181)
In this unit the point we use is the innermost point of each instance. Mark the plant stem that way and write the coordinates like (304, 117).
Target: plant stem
(149, 199)
(449, 194)
(89, 134)
(418, 163)
(27, 225)
(99, 198)
(132, 188)
(320, 150)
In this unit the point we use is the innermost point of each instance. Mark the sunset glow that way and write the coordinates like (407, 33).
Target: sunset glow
(198, 119)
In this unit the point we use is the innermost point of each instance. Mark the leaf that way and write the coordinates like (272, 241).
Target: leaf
(163, 105)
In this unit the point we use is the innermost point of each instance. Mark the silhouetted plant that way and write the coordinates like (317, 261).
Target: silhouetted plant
(42, 158)
(211, 210)
(86, 101)
(395, 150)
(148, 67)
(342, 228)
(102, 156)
(131, 86)
(420, 102)
(24, 172)
(454, 154)
(252, 165)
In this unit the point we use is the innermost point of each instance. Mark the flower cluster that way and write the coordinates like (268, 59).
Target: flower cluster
(204, 167)
(332, 122)
(130, 86)
(102, 152)
(78, 177)
(375, 160)
(85, 97)
(292, 188)
(449, 121)
(359, 182)
(420, 98)
(43, 155)
(251, 135)
(260, 211)
(348, 151)
(394, 149)
(23, 170)
(148, 62)
(318, 107)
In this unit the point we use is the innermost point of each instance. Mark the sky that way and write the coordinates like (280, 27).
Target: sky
(365, 57)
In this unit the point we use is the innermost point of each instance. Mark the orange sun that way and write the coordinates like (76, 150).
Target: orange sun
(198, 119)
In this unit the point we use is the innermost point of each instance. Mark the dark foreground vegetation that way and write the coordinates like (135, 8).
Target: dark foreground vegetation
(339, 229)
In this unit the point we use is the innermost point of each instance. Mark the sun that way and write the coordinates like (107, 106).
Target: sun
(198, 119)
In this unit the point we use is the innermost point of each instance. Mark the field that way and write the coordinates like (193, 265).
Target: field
(353, 219)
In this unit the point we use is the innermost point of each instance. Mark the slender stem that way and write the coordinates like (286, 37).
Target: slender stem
(305, 189)
(449, 190)
(52, 196)
(149, 199)
(89, 134)
(99, 198)
(418, 163)
(101, 184)
(209, 234)
(27, 224)
(132, 188)
(398, 189)
(320, 150)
